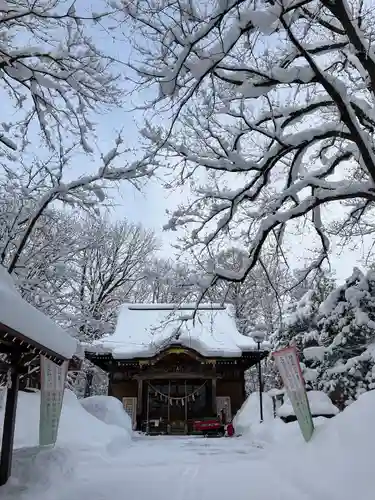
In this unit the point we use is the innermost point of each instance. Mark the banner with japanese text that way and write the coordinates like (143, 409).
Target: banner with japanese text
(290, 371)
(52, 379)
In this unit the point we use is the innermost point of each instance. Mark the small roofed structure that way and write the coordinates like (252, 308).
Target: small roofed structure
(320, 406)
(25, 333)
(173, 364)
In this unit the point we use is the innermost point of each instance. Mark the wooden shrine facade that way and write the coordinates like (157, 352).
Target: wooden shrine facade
(166, 393)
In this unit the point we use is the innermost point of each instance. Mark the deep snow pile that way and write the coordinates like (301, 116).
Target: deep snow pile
(274, 430)
(80, 435)
(77, 426)
(247, 420)
(109, 410)
(337, 462)
(249, 413)
(335, 465)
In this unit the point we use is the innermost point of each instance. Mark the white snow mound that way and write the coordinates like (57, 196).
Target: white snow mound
(77, 427)
(247, 420)
(339, 455)
(81, 436)
(109, 410)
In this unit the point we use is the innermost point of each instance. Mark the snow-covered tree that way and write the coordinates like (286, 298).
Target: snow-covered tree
(300, 317)
(347, 330)
(42, 273)
(300, 329)
(167, 282)
(30, 190)
(54, 79)
(259, 299)
(273, 100)
(90, 380)
(107, 272)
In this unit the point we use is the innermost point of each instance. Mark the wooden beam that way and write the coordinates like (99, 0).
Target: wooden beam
(9, 427)
(174, 375)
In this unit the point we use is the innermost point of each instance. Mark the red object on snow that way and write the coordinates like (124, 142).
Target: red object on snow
(230, 429)
(207, 425)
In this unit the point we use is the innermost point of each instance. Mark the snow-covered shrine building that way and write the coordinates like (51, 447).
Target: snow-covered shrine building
(171, 365)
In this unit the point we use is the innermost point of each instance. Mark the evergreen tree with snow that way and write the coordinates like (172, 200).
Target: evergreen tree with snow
(347, 330)
(300, 326)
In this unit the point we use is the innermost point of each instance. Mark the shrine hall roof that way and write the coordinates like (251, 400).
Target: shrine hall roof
(143, 330)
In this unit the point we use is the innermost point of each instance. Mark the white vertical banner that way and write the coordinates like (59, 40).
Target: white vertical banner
(53, 379)
(290, 371)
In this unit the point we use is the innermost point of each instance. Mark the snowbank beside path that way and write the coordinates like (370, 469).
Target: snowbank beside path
(78, 428)
(337, 463)
(271, 430)
(82, 438)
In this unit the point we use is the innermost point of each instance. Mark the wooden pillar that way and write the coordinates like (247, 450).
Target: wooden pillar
(213, 395)
(186, 411)
(9, 427)
(110, 382)
(148, 410)
(140, 397)
(243, 382)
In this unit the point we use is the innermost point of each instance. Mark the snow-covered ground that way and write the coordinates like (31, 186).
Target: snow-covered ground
(98, 461)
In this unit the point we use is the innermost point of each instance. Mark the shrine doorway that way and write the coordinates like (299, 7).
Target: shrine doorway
(172, 405)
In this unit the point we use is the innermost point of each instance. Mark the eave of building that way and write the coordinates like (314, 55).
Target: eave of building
(13, 342)
(107, 362)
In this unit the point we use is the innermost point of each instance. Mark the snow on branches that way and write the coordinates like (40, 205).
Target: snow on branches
(52, 71)
(274, 99)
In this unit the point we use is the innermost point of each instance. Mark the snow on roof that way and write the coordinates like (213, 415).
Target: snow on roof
(320, 404)
(143, 330)
(23, 318)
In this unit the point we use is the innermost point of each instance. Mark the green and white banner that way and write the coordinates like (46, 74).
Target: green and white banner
(290, 371)
(53, 379)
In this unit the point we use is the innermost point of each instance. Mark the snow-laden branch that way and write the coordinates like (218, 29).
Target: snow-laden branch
(86, 192)
(274, 101)
(52, 72)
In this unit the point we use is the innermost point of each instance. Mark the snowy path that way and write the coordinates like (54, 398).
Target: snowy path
(179, 468)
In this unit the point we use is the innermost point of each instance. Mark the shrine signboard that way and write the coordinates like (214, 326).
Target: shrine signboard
(53, 379)
(130, 406)
(290, 371)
